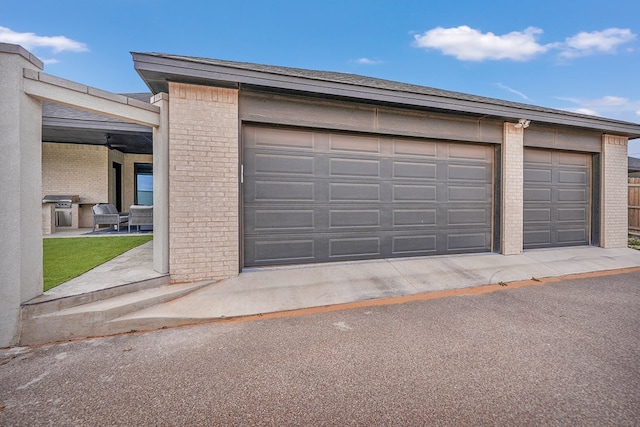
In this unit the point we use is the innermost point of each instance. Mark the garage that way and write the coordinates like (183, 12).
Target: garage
(557, 195)
(316, 196)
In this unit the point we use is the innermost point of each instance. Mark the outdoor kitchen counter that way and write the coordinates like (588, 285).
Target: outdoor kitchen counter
(78, 212)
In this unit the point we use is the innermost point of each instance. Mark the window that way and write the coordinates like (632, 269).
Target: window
(143, 175)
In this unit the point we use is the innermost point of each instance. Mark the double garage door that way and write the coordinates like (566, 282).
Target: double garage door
(316, 196)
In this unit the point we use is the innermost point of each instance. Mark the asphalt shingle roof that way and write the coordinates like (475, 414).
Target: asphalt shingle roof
(370, 82)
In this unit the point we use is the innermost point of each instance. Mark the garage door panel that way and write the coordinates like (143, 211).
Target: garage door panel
(468, 242)
(283, 191)
(557, 211)
(354, 218)
(283, 164)
(572, 214)
(470, 217)
(356, 168)
(572, 177)
(408, 148)
(532, 176)
(468, 152)
(355, 247)
(572, 236)
(572, 195)
(416, 245)
(281, 220)
(537, 194)
(413, 193)
(537, 157)
(355, 144)
(537, 215)
(359, 197)
(468, 173)
(339, 192)
(539, 238)
(414, 170)
(467, 194)
(284, 251)
(278, 138)
(414, 217)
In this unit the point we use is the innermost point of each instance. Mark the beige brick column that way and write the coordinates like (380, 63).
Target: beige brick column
(512, 193)
(614, 220)
(203, 182)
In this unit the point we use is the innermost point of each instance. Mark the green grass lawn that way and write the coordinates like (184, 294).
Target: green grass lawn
(67, 258)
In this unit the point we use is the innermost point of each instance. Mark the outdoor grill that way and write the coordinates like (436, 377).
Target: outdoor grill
(62, 208)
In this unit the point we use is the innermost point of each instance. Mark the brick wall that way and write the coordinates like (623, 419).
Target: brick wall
(614, 198)
(203, 176)
(512, 195)
(76, 169)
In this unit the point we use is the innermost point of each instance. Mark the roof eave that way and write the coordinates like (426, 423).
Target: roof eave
(157, 71)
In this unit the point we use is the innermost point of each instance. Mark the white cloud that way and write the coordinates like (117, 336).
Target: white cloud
(468, 44)
(586, 111)
(367, 61)
(507, 88)
(611, 101)
(50, 61)
(606, 41)
(30, 41)
(607, 106)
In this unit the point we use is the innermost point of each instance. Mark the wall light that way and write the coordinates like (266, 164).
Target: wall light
(523, 123)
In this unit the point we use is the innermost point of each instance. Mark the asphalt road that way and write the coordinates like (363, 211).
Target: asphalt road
(564, 353)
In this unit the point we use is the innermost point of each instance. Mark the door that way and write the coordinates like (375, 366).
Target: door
(117, 185)
(315, 196)
(557, 197)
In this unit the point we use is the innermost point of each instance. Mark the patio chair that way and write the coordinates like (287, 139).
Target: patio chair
(140, 215)
(107, 214)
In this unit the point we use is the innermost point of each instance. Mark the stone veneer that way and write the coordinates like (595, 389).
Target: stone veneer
(203, 182)
(614, 193)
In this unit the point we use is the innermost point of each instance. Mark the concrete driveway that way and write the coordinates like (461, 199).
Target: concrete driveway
(565, 352)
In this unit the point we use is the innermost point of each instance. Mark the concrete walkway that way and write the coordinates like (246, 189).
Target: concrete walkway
(133, 266)
(275, 289)
(269, 290)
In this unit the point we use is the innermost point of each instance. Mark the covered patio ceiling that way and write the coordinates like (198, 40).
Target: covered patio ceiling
(68, 125)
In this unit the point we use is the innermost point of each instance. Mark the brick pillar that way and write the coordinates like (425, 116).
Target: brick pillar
(512, 193)
(614, 221)
(21, 178)
(203, 182)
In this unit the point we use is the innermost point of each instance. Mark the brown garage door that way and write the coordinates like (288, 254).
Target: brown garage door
(315, 196)
(557, 195)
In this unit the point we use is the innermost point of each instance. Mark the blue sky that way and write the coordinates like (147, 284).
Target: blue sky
(581, 56)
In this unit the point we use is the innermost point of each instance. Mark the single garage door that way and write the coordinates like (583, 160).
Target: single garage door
(557, 193)
(315, 196)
